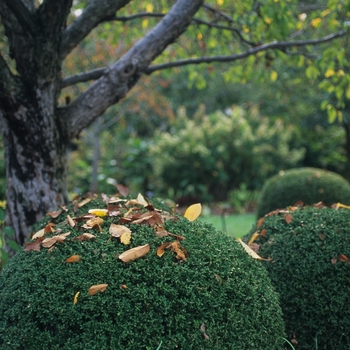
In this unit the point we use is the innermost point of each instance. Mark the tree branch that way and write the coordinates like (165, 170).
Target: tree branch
(230, 58)
(118, 79)
(96, 12)
(83, 77)
(24, 17)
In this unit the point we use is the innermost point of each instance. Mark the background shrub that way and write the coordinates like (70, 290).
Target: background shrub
(208, 155)
(310, 270)
(147, 301)
(310, 185)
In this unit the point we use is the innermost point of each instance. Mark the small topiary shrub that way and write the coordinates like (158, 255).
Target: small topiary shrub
(310, 268)
(195, 288)
(309, 185)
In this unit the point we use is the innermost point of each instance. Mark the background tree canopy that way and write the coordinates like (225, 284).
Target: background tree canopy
(63, 64)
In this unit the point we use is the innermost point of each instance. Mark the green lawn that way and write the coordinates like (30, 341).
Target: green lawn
(235, 225)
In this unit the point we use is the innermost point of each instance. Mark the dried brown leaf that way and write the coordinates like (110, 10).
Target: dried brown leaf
(84, 202)
(250, 251)
(334, 261)
(71, 222)
(118, 230)
(39, 233)
(343, 258)
(161, 249)
(85, 237)
(289, 218)
(33, 245)
(97, 288)
(260, 222)
(73, 259)
(122, 189)
(134, 253)
(54, 214)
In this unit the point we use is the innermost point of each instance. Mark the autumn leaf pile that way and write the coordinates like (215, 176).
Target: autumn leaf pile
(117, 272)
(307, 255)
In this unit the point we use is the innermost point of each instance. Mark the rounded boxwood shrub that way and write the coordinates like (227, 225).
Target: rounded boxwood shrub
(310, 268)
(309, 185)
(202, 291)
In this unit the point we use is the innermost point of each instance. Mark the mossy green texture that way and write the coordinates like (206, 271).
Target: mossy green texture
(311, 274)
(150, 301)
(310, 185)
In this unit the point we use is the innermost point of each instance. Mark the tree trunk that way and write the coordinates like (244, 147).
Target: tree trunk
(35, 148)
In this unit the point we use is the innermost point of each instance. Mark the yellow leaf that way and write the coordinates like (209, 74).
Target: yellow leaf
(268, 20)
(249, 250)
(273, 75)
(39, 233)
(97, 288)
(125, 238)
(199, 36)
(339, 205)
(99, 212)
(329, 72)
(255, 235)
(134, 253)
(144, 23)
(193, 211)
(347, 92)
(149, 7)
(325, 13)
(316, 22)
(75, 300)
(220, 2)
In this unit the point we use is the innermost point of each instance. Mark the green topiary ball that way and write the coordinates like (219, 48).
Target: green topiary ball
(309, 185)
(194, 289)
(310, 268)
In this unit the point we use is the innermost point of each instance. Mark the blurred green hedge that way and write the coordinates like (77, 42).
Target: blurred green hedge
(309, 185)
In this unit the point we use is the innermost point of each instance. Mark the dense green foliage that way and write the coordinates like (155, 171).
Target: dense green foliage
(150, 301)
(207, 156)
(309, 185)
(310, 270)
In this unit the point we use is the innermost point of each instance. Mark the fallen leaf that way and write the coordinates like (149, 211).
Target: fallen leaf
(193, 211)
(99, 212)
(254, 236)
(125, 237)
(33, 245)
(114, 210)
(299, 204)
(322, 236)
(343, 258)
(160, 231)
(84, 202)
(161, 249)
(255, 247)
(250, 251)
(93, 223)
(118, 230)
(54, 214)
(75, 300)
(202, 327)
(134, 253)
(49, 242)
(289, 218)
(85, 237)
(64, 208)
(123, 286)
(71, 222)
(49, 228)
(333, 261)
(97, 288)
(263, 232)
(181, 252)
(140, 198)
(260, 222)
(122, 189)
(73, 259)
(320, 205)
(39, 233)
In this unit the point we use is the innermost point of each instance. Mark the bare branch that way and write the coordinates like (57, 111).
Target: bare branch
(97, 11)
(24, 17)
(137, 15)
(118, 79)
(280, 45)
(83, 77)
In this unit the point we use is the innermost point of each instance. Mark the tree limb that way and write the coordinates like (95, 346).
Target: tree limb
(96, 12)
(24, 17)
(230, 58)
(83, 77)
(118, 79)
